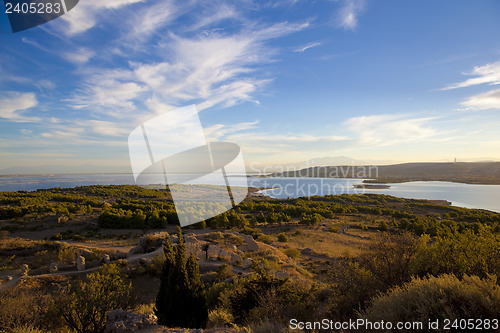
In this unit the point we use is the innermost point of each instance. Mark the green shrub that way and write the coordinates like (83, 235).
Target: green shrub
(292, 252)
(224, 272)
(440, 297)
(66, 255)
(219, 317)
(383, 226)
(26, 329)
(311, 219)
(85, 305)
(283, 238)
(28, 309)
(265, 239)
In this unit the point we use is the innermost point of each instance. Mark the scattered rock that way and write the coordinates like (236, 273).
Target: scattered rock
(60, 245)
(235, 259)
(80, 263)
(24, 269)
(251, 244)
(196, 249)
(174, 239)
(123, 321)
(135, 250)
(247, 263)
(190, 239)
(105, 259)
(309, 252)
(225, 255)
(146, 261)
(150, 243)
(8, 278)
(53, 267)
(213, 252)
(282, 274)
(62, 219)
(85, 252)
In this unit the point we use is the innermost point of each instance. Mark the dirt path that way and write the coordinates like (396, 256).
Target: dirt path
(344, 229)
(131, 260)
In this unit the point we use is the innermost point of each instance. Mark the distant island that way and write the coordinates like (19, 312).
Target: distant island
(460, 172)
(372, 186)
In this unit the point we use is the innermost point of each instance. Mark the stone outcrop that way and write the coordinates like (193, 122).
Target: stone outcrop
(251, 244)
(135, 250)
(150, 243)
(190, 239)
(53, 267)
(146, 261)
(24, 269)
(225, 255)
(123, 321)
(308, 252)
(196, 249)
(213, 252)
(85, 252)
(105, 259)
(236, 259)
(80, 263)
(282, 274)
(247, 263)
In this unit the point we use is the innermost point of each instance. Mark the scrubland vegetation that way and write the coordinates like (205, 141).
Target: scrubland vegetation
(337, 257)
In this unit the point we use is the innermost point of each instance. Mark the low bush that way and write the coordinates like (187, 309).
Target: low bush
(265, 239)
(292, 253)
(219, 317)
(283, 238)
(433, 298)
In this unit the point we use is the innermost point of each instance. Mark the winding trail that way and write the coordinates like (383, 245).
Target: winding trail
(131, 260)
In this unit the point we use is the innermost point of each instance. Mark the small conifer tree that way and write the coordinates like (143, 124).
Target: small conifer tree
(181, 299)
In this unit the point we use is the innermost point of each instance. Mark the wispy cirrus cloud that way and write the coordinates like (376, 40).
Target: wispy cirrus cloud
(108, 91)
(218, 131)
(80, 56)
(306, 47)
(213, 15)
(260, 143)
(388, 129)
(484, 101)
(487, 74)
(151, 19)
(13, 105)
(207, 69)
(349, 12)
(85, 16)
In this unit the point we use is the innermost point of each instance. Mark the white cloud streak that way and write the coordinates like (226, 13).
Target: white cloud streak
(14, 103)
(80, 57)
(489, 73)
(348, 14)
(306, 47)
(484, 101)
(209, 70)
(85, 15)
(381, 130)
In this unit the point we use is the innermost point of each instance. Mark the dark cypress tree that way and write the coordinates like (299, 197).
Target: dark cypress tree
(181, 299)
(196, 294)
(164, 303)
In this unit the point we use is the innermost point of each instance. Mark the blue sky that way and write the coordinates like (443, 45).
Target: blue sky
(381, 81)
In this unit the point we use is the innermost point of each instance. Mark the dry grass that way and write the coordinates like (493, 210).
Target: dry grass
(329, 243)
(120, 245)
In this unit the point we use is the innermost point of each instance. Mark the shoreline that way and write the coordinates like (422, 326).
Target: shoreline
(393, 180)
